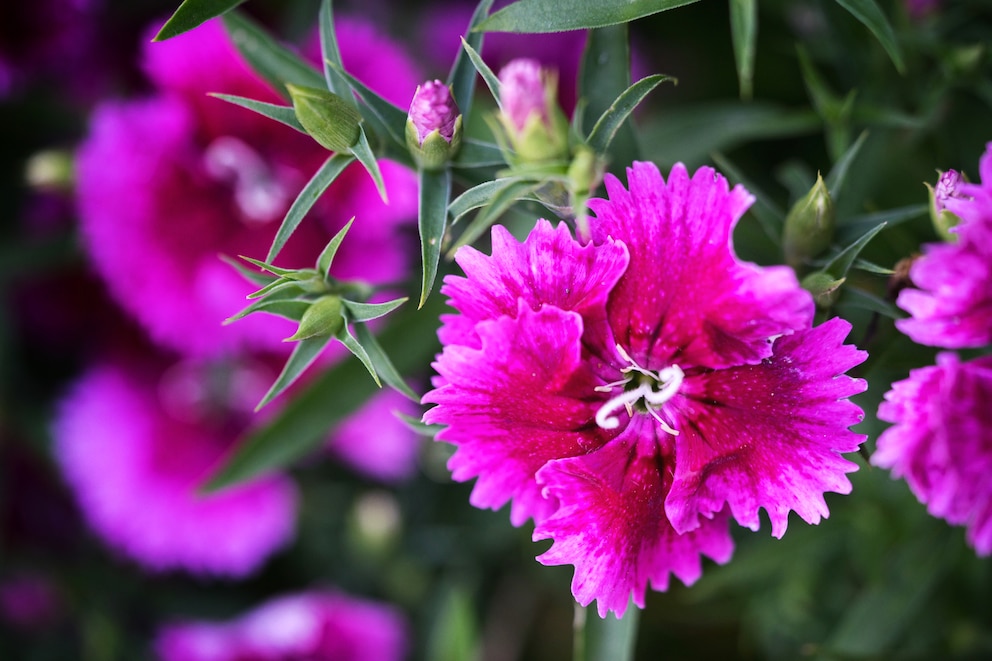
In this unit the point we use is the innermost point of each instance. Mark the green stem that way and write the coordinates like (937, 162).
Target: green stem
(604, 639)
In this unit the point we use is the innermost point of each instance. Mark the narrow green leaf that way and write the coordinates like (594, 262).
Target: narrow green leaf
(345, 337)
(478, 196)
(870, 267)
(275, 270)
(331, 249)
(417, 425)
(280, 285)
(383, 365)
(840, 264)
(319, 183)
(744, 33)
(462, 77)
(330, 54)
(838, 173)
(270, 59)
(362, 312)
(604, 74)
(363, 152)
(283, 114)
(561, 15)
(863, 300)
(281, 304)
(191, 14)
(435, 191)
(605, 639)
(874, 19)
(302, 424)
(858, 225)
(251, 275)
(610, 121)
(492, 81)
(478, 154)
(490, 213)
(392, 117)
(304, 353)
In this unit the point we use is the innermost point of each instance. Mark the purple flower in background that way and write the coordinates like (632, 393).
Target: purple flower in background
(941, 441)
(375, 442)
(319, 625)
(135, 441)
(633, 391)
(168, 183)
(951, 301)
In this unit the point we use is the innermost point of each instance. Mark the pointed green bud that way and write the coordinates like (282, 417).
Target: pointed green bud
(809, 227)
(329, 119)
(824, 287)
(534, 125)
(944, 219)
(322, 318)
(433, 126)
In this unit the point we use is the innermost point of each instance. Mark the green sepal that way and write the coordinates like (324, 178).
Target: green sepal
(279, 285)
(282, 303)
(824, 287)
(329, 119)
(289, 274)
(362, 312)
(331, 249)
(435, 152)
(323, 317)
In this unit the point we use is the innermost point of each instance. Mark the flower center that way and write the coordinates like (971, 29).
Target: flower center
(643, 389)
(258, 193)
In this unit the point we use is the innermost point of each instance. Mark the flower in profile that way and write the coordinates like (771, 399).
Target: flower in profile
(941, 441)
(633, 391)
(167, 183)
(136, 439)
(950, 304)
(318, 625)
(433, 126)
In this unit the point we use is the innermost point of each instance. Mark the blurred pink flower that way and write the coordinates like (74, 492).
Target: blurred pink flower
(941, 441)
(633, 391)
(319, 625)
(168, 183)
(375, 442)
(29, 600)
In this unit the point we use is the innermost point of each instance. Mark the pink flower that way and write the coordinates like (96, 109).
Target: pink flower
(433, 109)
(317, 625)
(168, 183)
(135, 441)
(632, 392)
(951, 304)
(525, 89)
(941, 442)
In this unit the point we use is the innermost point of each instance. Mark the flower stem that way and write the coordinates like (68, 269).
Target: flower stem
(604, 639)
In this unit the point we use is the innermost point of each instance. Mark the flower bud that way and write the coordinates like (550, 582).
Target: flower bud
(942, 218)
(329, 119)
(433, 126)
(322, 318)
(809, 227)
(824, 287)
(534, 125)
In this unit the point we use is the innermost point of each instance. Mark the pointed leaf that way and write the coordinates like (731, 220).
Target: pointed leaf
(319, 183)
(490, 213)
(280, 285)
(248, 274)
(361, 312)
(417, 425)
(435, 191)
(838, 173)
(331, 249)
(191, 14)
(491, 79)
(304, 353)
(462, 77)
(867, 12)
(281, 304)
(363, 152)
(561, 15)
(383, 365)
(269, 59)
(610, 121)
(858, 298)
(345, 337)
(478, 196)
(858, 225)
(604, 74)
(276, 270)
(840, 264)
(283, 114)
(330, 54)
(744, 30)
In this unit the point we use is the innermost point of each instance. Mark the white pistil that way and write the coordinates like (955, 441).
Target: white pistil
(655, 388)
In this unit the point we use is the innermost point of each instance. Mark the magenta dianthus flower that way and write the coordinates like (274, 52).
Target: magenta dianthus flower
(319, 625)
(941, 442)
(632, 391)
(136, 442)
(168, 183)
(951, 301)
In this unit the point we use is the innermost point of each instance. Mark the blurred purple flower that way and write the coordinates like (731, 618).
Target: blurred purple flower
(136, 439)
(951, 301)
(29, 600)
(317, 626)
(633, 391)
(941, 441)
(169, 182)
(375, 442)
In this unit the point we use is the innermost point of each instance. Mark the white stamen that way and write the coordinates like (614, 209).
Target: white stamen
(626, 399)
(655, 389)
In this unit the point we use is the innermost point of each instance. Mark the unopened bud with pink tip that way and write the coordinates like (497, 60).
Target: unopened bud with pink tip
(533, 124)
(943, 218)
(433, 125)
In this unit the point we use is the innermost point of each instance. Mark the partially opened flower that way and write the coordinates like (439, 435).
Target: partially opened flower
(319, 625)
(941, 442)
(632, 391)
(168, 183)
(950, 304)
(137, 439)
